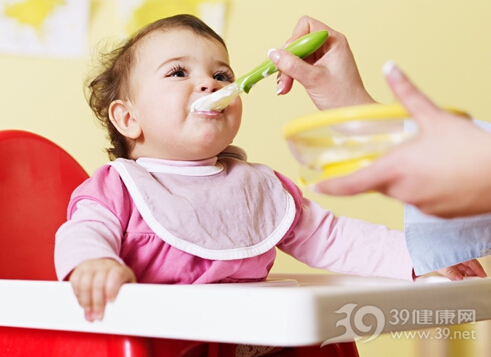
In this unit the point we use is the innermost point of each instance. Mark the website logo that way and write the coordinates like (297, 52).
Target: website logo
(355, 318)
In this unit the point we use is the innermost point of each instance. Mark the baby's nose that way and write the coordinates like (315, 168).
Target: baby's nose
(205, 89)
(209, 85)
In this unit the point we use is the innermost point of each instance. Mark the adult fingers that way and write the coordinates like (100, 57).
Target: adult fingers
(293, 67)
(451, 273)
(284, 84)
(303, 27)
(473, 268)
(306, 25)
(422, 109)
(373, 177)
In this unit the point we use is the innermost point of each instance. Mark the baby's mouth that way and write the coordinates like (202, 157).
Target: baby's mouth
(207, 112)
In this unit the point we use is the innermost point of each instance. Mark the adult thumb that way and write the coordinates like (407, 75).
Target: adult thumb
(291, 65)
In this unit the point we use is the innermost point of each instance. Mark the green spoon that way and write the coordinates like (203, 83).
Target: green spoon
(220, 99)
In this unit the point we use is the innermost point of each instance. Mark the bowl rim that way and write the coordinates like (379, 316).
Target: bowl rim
(375, 111)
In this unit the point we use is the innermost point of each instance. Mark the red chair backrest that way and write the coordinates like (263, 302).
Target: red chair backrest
(37, 178)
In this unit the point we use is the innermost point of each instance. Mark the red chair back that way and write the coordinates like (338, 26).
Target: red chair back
(37, 178)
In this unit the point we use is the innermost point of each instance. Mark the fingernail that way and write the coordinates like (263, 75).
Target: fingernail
(314, 188)
(391, 69)
(94, 315)
(279, 87)
(274, 55)
(89, 316)
(278, 79)
(388, 67)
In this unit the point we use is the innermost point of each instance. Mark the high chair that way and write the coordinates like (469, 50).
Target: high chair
(36, 180)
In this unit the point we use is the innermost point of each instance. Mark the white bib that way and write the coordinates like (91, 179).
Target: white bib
(232, 210)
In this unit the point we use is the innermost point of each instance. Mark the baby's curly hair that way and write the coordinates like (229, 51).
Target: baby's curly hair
(112, 81)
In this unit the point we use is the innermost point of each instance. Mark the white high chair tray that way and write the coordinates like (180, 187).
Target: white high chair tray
(287, 310)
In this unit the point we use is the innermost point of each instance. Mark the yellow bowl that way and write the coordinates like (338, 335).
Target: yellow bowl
(340, 141)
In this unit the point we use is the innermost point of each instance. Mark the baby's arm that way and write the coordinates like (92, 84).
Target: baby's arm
(347, 246)
(86, 254)
(96, 282)
(344, 245)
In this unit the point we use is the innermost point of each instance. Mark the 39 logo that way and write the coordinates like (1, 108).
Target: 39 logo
(354, 323)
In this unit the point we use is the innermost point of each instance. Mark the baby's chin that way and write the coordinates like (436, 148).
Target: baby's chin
(205, 152)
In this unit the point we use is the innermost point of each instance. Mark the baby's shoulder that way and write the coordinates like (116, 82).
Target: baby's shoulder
(104, 180)
(103, 186)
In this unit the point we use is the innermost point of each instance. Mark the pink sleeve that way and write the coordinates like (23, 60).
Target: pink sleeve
(344, 245)
(105, 187)
(93, 232)
(94, 228)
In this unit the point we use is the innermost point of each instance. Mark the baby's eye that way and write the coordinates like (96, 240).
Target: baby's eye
(223, 77)
(177, 72)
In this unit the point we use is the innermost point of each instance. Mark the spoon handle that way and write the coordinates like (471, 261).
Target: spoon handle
(301, 47)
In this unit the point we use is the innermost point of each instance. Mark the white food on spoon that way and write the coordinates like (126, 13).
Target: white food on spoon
(218, 100)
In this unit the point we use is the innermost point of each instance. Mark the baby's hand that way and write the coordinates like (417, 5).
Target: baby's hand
(457, 272)
(97, 282)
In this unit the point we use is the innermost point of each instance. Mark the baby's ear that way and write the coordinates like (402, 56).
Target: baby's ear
(123, 120)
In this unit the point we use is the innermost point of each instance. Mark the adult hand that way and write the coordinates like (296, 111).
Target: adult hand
(97, 282)
(330, 75)
(457, 272)
(444, 171)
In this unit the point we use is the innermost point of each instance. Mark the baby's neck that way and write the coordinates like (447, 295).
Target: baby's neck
(180, 163)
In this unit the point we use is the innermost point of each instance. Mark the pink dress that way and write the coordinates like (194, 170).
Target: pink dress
(215, 220)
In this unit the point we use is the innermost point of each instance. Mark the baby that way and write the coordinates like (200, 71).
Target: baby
(178, 204)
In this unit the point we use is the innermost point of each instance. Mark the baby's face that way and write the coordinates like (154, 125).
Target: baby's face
(172, 69)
